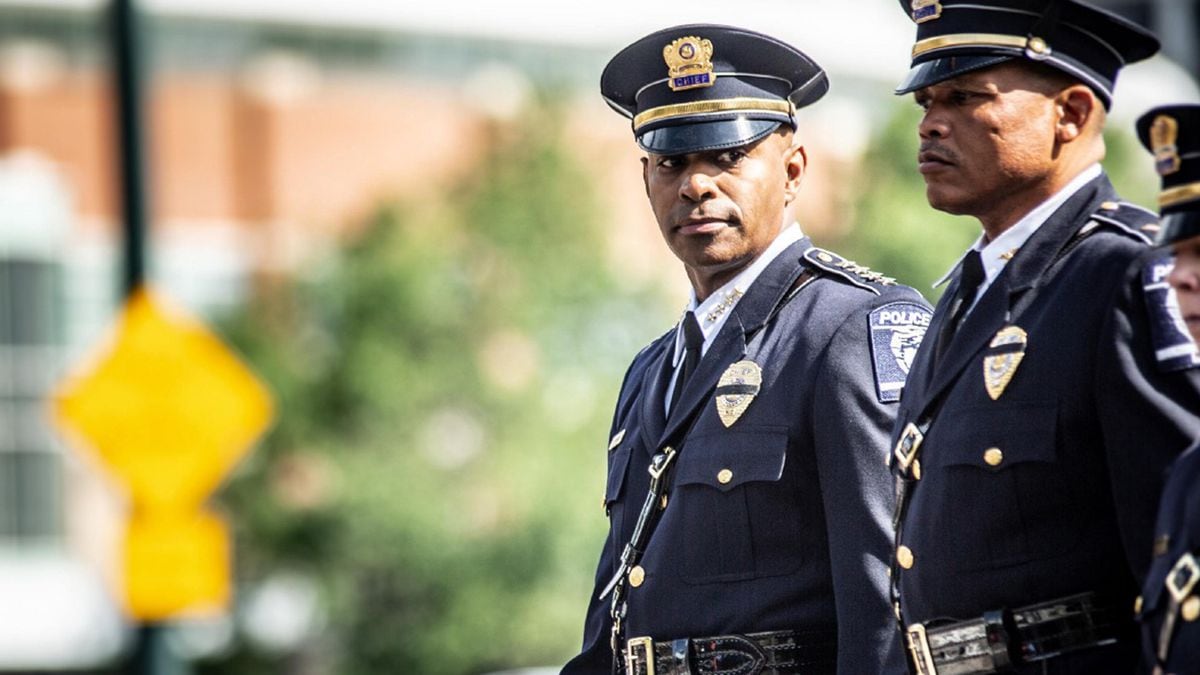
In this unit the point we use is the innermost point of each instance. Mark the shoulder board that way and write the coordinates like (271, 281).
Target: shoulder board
(859, 275)
(1125, 217)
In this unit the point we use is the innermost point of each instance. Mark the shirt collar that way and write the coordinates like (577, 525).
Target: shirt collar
(712, 313)
(995, 254)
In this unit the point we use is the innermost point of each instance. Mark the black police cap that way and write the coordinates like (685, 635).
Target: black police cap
(704, 87)
(958, 36)
(1172, 133)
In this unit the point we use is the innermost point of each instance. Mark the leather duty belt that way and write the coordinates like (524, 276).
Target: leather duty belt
(1002, 639)
(784, 651)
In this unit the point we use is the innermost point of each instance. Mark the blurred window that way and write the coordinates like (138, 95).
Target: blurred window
(30, 464)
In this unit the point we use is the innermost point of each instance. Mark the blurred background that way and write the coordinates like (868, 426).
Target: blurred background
(425, 231)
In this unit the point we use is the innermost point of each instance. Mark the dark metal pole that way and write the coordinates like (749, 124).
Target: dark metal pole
(126, 64)
(152, 653)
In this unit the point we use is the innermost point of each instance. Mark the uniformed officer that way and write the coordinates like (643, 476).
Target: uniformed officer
(1038, 416)
(1169, 607)
(748, 497)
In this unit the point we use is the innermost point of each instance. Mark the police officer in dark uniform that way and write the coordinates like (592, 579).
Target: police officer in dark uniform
(1169, 607)
(1039, 416)
(748, 497)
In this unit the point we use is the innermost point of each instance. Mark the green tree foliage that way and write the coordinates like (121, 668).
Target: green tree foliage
(446, 382)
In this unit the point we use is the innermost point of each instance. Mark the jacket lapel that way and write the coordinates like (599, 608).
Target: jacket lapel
(750, 313)
(1019, 276)
(655, 381)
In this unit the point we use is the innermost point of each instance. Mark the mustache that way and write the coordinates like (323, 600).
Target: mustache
(931, 151)
(707, 212)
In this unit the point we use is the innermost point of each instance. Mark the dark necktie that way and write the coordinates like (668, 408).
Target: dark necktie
(693, 342)
(969, 279)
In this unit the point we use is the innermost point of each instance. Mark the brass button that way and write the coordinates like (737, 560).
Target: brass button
(824, 257)
(1162, 544)
(916, 469)
(896, 611)
(904, 556)
(663, 503)
(1137, 605)
(993, 456)
(636, 576)
(1110, 206)
(1038, 46)
(724, 476)
(1191, 608)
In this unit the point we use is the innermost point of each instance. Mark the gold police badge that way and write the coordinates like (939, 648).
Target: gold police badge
(1163, 133)
(1002, 358)
(689, 63)
(737, 388)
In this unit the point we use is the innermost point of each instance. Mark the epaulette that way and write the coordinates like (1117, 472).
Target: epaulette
(1126, 217)
(859, 275)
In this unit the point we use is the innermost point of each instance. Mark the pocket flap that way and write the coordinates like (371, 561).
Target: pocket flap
(997, 437)
(726, 460)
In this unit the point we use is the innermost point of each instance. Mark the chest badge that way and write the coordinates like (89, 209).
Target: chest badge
(737, 388)
(1003, 356)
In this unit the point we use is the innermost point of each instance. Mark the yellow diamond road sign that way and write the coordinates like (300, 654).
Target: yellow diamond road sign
(167, 406)
(169, 410)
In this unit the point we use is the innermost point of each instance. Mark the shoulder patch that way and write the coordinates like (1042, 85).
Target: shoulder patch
(1127, 218)
(1173, 346)
(859, 275)
(897, 329)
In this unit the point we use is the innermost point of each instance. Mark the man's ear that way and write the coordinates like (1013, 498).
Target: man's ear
(795, 163)
(1076, 108)
(646, 174)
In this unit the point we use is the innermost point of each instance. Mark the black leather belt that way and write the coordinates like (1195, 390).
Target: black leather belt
(783, 651)
(1002, 639)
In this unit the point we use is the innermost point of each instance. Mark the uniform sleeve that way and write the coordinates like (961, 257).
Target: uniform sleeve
(851, 440)
(1148, 415)
(595, 657)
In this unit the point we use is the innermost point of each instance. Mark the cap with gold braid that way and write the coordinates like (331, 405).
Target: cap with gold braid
(958, 36)
(1172, 133)
(703, 87)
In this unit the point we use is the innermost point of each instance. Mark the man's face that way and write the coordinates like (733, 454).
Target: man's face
(987, 140)
(1185, 279)
(718, 210)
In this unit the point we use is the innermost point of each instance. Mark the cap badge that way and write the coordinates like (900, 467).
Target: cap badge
(1037, 49)
(1003, 356)
(689, 63)
(1163, 133)
(926, 10)
(737, 388)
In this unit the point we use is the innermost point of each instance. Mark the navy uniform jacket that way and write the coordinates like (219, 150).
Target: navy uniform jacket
(798, 537)
(1177, 533)
(1082, 432)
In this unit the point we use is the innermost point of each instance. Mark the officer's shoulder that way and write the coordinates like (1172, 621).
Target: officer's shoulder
(1123, 219)
(831, 265)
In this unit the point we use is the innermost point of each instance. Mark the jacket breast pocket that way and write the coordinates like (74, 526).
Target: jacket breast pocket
(731, 519)
(997, 488)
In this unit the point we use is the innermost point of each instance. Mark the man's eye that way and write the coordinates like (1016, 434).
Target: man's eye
(668, 162)
(731, 156)
(960, 97)
(922, 103)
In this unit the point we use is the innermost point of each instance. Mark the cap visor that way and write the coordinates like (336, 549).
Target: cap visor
(681, 139)
(1177, 227)
(937, 70)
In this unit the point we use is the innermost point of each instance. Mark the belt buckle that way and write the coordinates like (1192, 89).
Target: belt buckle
(907, 446)
(918, 648)
(1189, 570)
(646, 645)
